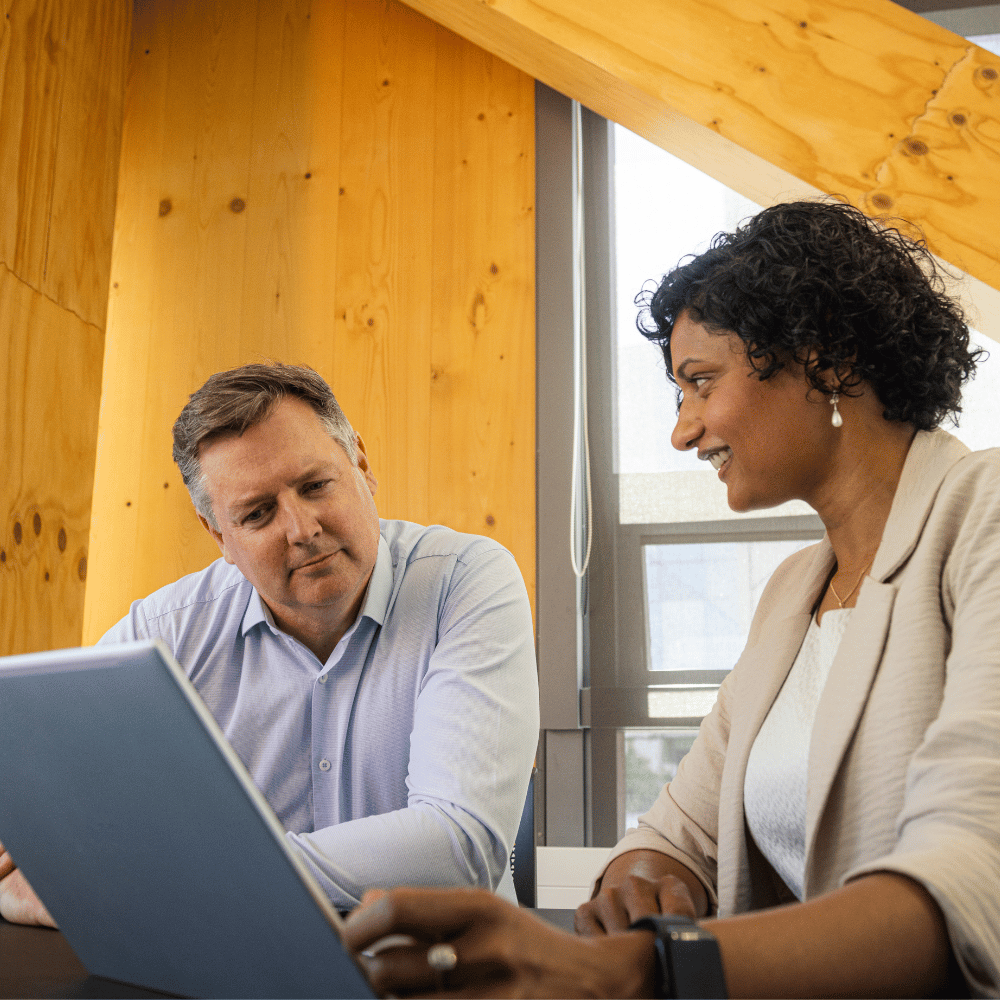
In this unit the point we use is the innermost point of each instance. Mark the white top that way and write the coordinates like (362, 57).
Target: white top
(774, 789)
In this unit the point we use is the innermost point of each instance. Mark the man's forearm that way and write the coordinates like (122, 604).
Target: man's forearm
(415, 846)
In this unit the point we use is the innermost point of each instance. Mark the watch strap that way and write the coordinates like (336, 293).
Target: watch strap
(689, 963)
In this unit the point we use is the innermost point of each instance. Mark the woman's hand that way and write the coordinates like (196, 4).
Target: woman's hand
(500, 949)
(639, 884)
(18, 902)
(616, 907)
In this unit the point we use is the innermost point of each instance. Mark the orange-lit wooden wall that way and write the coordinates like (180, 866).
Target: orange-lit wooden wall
(343, 184)
(62, 74)
(337, 182)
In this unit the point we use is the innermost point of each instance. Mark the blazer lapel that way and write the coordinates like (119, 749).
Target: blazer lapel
(844, 698)
(932, 454)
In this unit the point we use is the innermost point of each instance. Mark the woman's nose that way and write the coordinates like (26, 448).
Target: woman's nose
(688, 428)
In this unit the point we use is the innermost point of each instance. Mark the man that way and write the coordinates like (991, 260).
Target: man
(377, 678)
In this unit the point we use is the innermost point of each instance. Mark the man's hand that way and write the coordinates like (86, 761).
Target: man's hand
(18, 902)
(498, 949)
(636, 885)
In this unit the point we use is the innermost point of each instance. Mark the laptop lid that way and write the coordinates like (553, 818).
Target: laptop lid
(141, 831)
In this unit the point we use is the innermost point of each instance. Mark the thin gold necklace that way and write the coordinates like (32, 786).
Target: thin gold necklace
(848, 596)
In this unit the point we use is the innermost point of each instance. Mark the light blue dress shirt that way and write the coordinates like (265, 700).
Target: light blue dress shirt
(402, 760)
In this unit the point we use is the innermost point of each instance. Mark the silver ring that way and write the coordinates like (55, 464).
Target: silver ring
(442, 957)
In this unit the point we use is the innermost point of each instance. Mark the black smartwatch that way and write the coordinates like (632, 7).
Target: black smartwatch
(687, 958)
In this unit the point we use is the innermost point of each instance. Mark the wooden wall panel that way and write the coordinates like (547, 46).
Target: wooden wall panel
(385, 249)
(62, 66)
(281, 196)
(62, 74)
(482, 294)
(51, 371)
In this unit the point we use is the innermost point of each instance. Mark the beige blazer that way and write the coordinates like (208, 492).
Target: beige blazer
(904, 762)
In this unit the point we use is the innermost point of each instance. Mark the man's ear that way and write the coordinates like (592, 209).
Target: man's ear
(219, 540)
(364, 465)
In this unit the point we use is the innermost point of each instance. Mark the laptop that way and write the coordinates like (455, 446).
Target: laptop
(142, 832)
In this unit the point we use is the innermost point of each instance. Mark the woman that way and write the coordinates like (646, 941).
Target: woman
(836, 825)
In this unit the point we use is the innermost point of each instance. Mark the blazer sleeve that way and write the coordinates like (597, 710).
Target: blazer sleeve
(948, 832)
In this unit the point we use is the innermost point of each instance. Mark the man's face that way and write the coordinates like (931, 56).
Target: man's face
(295, 516)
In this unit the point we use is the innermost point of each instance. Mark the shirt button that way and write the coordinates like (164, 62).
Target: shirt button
(324, 765)
(322, 679)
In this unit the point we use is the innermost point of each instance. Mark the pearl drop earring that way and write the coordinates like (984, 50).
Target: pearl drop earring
(837, 420)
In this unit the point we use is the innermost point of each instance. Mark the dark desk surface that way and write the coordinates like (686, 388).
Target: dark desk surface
(36, 962)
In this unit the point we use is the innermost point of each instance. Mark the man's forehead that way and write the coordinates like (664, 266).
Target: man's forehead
(262, 454)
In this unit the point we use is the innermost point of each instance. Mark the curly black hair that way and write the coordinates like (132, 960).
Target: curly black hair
(847, 298)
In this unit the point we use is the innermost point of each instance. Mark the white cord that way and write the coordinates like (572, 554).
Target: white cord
(579, 358)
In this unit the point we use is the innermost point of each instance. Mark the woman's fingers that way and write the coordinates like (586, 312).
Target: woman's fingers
(673, 896)
(604, 914)
(617, 907)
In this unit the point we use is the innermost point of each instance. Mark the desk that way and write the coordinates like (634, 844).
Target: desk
(36, 962)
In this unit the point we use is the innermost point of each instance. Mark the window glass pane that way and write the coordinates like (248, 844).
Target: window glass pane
(977, 425)
(651, 759)
(991, 42)
(664, 210)
(700, 597)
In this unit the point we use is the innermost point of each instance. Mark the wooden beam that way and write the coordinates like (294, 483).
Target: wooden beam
(781, 98)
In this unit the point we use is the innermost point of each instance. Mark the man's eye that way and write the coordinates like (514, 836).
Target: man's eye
(315, 487)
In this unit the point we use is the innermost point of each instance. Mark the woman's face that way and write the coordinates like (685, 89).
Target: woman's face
(770, 441)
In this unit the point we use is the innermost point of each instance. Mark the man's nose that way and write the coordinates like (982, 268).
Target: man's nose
(301, 523)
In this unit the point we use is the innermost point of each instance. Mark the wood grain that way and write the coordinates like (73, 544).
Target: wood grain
(483, 392)
(50, 386)
(62, 65)
(62, 69)
(777, 98)
(280, 197)
(385, 252)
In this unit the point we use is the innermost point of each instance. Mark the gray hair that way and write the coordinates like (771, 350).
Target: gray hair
(233, 401)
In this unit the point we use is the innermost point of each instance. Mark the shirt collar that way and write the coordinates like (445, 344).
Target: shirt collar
(376, 602)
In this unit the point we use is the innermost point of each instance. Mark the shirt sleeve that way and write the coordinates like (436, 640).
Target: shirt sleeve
(473, 741)
(131, 628)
